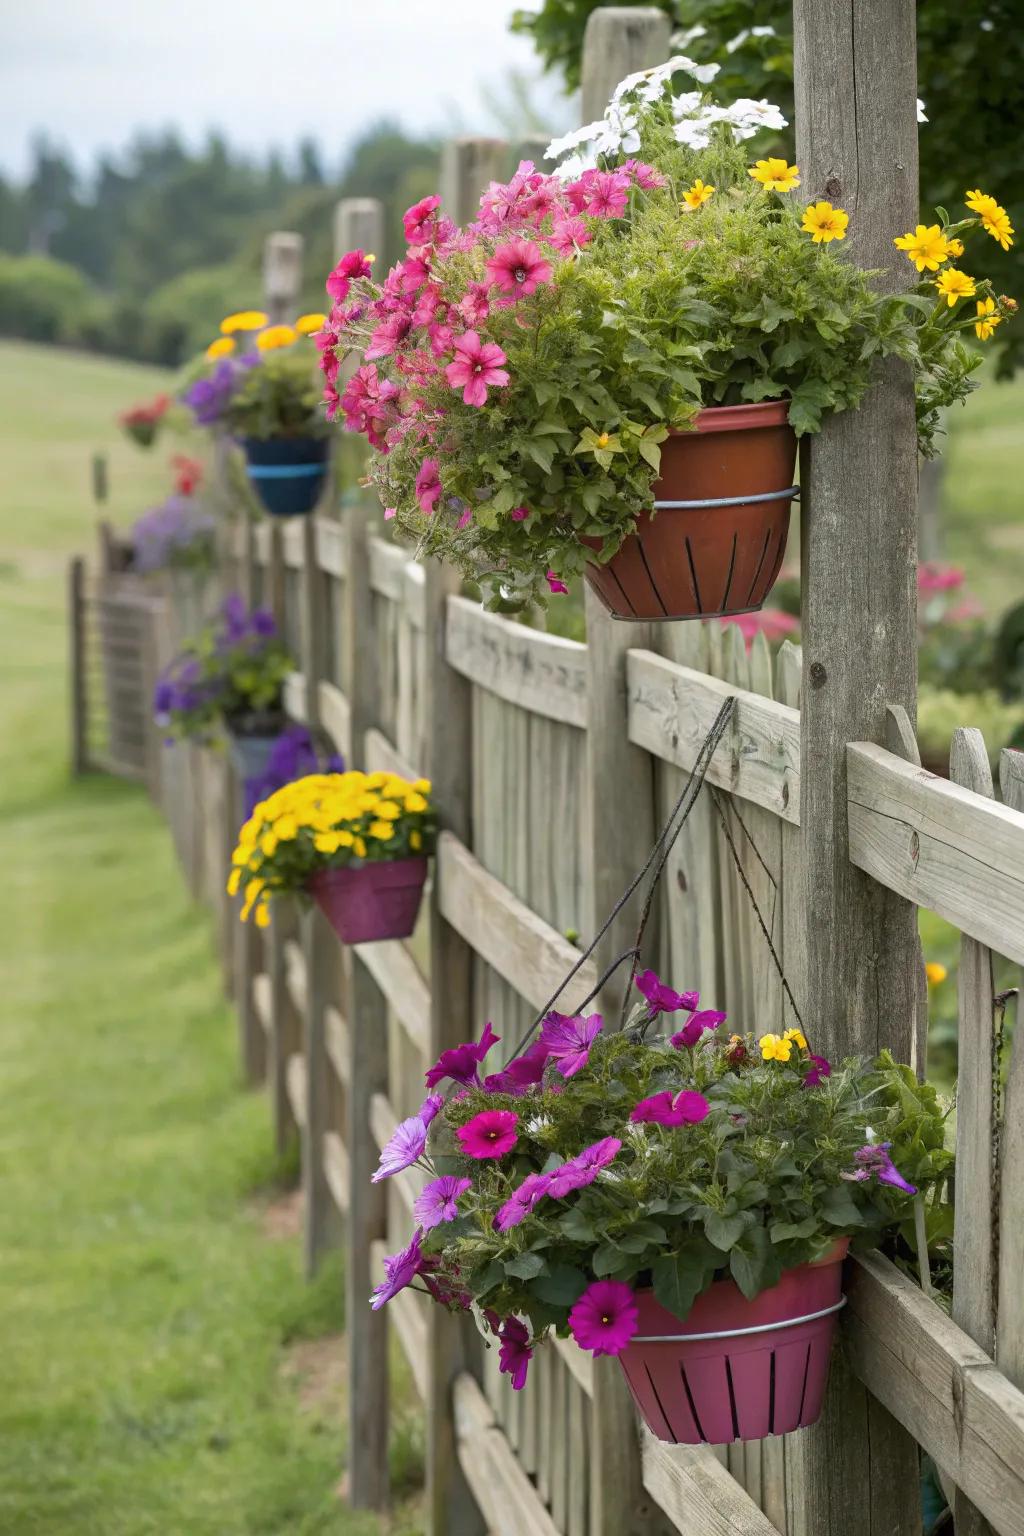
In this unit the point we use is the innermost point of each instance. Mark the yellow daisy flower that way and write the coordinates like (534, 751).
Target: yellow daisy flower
(997, 224)
(927, 247)
(775, 1048)
(222, 347)
(306, 325)
(243, 320)
(699, 193)
(824, 223)
(956, 248)
(933, 970)
(275, 336)
(955, 285)
(980, 202)
(984, 328)
(775, 175)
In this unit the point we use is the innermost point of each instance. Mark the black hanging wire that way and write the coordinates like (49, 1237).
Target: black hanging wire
(663, 846)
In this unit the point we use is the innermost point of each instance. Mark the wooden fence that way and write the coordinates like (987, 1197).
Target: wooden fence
(553, 763)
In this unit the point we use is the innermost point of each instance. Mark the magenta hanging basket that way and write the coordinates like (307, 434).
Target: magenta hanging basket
(737, 1369)
(376, 901)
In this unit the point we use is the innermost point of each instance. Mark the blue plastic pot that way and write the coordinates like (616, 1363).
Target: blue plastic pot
(287, 473)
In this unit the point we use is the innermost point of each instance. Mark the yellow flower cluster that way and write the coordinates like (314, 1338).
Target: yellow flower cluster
(821, 221)
(780, 1047)
(268, 337)
(929, 248)
(326, 819)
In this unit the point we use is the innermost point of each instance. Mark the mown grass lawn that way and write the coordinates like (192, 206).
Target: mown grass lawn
(147, 1315)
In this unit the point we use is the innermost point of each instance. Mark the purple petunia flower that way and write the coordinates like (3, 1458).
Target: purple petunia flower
(263, 622)
(438, 1201)
(461, 1064)
(874, 1159)
(515, 1353)
(820, 1068)
(405, 1148)
(178, 533)
(522, 1201)
(522, 1072)
(569, 1040)
(685, 1108)
(661, 998)
(583, 1168)
(400, 1269)
(430, 1108)
(605, 1318)
(696, 1024)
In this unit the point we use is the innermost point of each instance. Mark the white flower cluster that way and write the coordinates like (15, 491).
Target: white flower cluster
(618, 132)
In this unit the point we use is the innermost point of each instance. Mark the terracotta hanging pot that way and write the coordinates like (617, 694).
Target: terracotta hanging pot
(737, 1369)
(715, 540)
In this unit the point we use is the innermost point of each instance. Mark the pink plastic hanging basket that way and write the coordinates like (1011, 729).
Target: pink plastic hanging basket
(376, 901)
(737, 1369)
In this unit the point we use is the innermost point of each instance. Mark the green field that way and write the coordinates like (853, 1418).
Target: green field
(165, 1368)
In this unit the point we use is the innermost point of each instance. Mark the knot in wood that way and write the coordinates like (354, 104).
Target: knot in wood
(915, 846)
(681, 880)
(818, 675)
(833, 188)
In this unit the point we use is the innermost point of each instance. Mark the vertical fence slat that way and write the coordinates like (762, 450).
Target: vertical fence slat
(1010, 1330)
(76, 665)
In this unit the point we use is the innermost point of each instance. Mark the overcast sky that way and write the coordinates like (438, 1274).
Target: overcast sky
(91, 72)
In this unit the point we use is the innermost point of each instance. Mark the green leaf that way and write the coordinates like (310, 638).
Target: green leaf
(576, 1226)
(680, 1277)
(725, 1231)
(837, 1207)
(526, 1266)
(752, 1264)
(785, 1231)
(650, 451)
(561, 1286)
(607, 1259)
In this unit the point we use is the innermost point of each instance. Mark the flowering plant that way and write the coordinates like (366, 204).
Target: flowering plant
(519, 376)
(593, 1164)
(232, 674)
(142, 422)
(266, 392)
(328, 821)
(293, 756)
(176, 535)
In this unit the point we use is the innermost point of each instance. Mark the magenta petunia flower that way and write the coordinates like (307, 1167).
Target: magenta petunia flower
(555, 582)
(491, 1133)
(569, 1040)
(431, 1108)
(584, 1168)
(522, 1201)
(419, 220)
(643, 174)
(569, 235)
(607, 194)
(519, 514)
(685, 1108)
(696, 1024)
(462, 1062)
(874, 1159)
(475, 306)
(428, 485)
(404, 1148)
(518, 268)
(352, 265)
(663, 999)
(515, 1353)
(605, 1318)
(400, 1269)
(522, 1072)
(438, 1201)
(476, 368)
(820, 1068)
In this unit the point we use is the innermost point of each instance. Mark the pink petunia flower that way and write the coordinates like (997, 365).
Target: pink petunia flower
(519, 514)
(569, 235)
(820, 1068)
(476, 368)
(696, 1024)
(521, 1201)
(474, 306)
(518, 269)
(643, 174)
(352, 265)
(569, 1040)
(661, 998)
(462, 1062)
(607, 194)
(933, 577)
(685, 1108)
(428, 486)
(491, 1133)
(555, 582)
(515, 1353)
(438, 1201)
(400, 1269)
(874, 1159)
(584, 1168)
(419, 221)
(389, 336)
(605, 1318)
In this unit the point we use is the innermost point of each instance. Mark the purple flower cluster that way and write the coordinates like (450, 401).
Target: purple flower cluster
(178, 533)
(293, 756)
(213, 673)
(208, 398)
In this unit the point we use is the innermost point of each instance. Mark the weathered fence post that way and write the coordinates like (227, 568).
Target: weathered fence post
(467, 167)
(76, 665)
(359, 226)
(618, 40)
(282, 274)
(855, 63)
(1010, 1319)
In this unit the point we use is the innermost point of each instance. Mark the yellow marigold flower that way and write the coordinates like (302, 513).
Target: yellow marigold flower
(775, 1048)
(997, 224)
(955, 248)
(234, 881)
(275, 336)
(244, 320)
(327, 842)
(263, 915)
(415, 841)
(955, 285)
(775, 175)
(824, 223)
(345, 839)
(359, 847)
(306, 325)
(268, 844)
(927, 247)
(415, 803)
(383, 831)
(222, 347)
(389, 811)
(286, 828)
(699, 193)
(797, 1037)
(980, 202)
(984, 327)
(933, 970)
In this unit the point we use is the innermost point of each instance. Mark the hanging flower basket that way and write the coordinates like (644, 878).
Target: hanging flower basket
(737, 1369)
(376, 901)
(251, 743)
(716, 539)
(287, 473)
